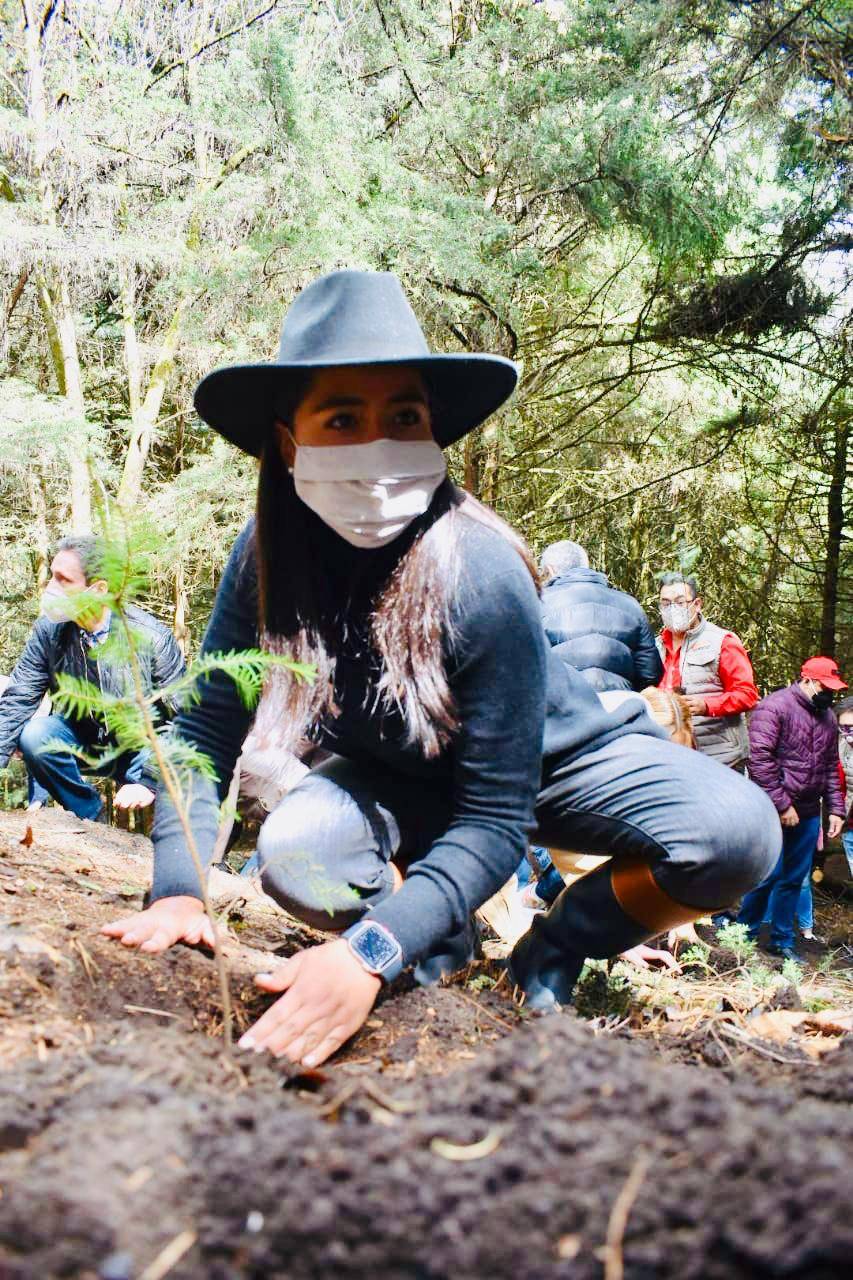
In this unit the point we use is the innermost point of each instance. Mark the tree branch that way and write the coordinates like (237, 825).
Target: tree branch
(225, 35)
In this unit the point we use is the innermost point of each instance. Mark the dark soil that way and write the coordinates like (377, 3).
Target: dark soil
(452, 1138)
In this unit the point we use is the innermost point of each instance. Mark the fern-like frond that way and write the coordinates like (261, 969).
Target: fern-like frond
(185, 759)
(77, 698)
(248, 669)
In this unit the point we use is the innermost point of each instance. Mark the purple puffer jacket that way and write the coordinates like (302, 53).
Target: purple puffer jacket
(793, 753)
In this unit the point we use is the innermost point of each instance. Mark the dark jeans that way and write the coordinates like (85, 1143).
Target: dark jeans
(705, 833)
(58, 772)
(784, 884)
(36, 793)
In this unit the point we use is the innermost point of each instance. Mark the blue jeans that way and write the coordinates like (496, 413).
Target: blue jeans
(36, 793)
(784, 883)
(58, 772)
(804, 913)
(549, 883)
(847, 842)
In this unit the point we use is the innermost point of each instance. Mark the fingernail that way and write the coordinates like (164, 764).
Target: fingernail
(310, 1061)
(266, 976)
(246, 1042)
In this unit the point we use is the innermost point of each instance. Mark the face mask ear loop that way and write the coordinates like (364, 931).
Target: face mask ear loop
(292, 440)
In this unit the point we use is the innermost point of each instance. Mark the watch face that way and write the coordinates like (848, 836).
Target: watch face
(375, 947)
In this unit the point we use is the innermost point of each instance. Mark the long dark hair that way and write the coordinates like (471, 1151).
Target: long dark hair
(410, 620)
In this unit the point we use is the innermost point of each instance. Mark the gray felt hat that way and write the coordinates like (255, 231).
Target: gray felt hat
(353, 318)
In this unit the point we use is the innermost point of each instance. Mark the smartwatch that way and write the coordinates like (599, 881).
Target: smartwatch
(376, 949)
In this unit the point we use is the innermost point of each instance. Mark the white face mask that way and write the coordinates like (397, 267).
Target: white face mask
(677, 617)
(369, 493)
(56, 606)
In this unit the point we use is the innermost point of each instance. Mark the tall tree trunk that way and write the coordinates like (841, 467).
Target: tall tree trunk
(132, 362)
(144, 421)
(41, 550)
(53, 291)
(472, 455)
(491, 472)
(834, 536)
(180, 622)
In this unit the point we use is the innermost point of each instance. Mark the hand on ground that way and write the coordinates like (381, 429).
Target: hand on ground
(327, 997)
(834, 826)
(790, 817)
(682, 933)
(645, 957)
(165, 922)
(133, 795)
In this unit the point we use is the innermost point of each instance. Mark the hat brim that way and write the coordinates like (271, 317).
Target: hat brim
(239, 401)
(832, 682)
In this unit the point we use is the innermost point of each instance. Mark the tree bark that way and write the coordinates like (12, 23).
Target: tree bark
(472, 456)
(53, 292)
(144, 421)
(41, 550)
(835, 534)
(180, 623)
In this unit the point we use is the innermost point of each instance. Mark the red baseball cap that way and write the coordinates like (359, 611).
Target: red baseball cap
(825, 670)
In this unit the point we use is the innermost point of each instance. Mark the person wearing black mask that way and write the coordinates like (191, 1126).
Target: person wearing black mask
(793, 740)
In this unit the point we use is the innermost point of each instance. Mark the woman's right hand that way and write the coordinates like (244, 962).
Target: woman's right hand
(165, 922)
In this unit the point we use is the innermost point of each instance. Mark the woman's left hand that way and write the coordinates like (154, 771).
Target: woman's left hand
(644, 957)
(327, 997)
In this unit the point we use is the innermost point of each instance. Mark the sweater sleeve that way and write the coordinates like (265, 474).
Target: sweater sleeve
(216, 725)
(735, 671)
(499, 687)
(765, 729)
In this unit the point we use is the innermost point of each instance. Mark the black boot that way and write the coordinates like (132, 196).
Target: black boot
(585, 920)
(545, 973)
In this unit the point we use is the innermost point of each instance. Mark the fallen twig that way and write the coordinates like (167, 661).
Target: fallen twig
(734, 1033)
(168, 1257)
(613, 1262)
(141, 1008)
(90, 968)
(480, 1009)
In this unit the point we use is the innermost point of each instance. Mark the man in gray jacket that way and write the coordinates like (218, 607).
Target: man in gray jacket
(60, 645)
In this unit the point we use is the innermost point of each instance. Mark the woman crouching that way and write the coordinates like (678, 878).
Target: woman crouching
(454, 732)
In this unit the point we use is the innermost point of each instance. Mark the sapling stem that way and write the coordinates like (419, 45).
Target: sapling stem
(175, 795)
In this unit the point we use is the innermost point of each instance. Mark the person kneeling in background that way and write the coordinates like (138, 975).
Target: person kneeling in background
(63, 642)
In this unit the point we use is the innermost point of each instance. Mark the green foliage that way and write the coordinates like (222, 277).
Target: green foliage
(736, 938)
(248, 669)
(645, 204)
(792, 972)
(601, 992)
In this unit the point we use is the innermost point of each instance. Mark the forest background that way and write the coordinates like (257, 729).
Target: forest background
(646, 203)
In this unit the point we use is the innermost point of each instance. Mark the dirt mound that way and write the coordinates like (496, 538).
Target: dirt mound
(452, 1138)
(511, 1166)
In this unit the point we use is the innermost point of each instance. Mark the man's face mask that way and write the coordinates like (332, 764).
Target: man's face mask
(678, 617)
(822, 698)
(57, 605)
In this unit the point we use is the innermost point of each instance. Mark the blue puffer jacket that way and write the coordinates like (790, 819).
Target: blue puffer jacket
(601, 631)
